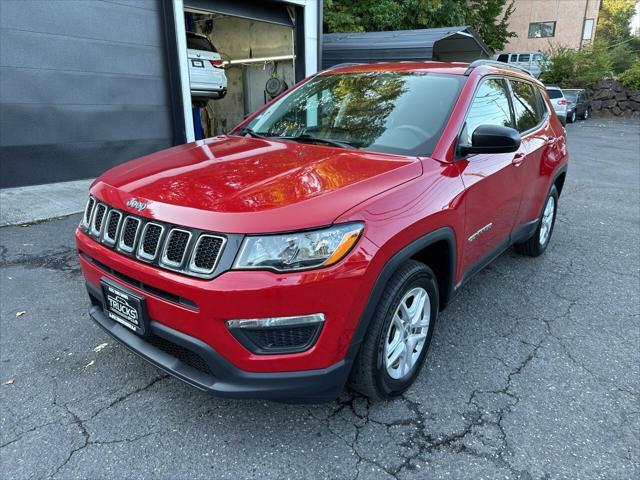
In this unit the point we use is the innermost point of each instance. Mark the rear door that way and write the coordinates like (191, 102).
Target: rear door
(532, 121)
(492, 181)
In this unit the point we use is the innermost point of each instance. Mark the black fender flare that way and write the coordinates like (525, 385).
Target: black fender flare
(390, 267)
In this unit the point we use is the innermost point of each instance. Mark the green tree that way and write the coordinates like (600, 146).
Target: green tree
(614, 19)
(489, 17)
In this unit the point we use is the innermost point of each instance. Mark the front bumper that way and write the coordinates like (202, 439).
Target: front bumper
(199, 365)
(193, 312)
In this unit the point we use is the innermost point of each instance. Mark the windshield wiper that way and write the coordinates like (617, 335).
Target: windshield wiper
(251, 133)
(307, 137)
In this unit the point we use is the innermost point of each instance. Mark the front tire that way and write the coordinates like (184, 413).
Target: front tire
(586, 114)
(396, 344)
(537, 244)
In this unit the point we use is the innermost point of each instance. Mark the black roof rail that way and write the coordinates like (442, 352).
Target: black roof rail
(494, 63)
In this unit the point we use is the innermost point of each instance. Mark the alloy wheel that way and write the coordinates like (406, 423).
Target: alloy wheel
(547, 220)
(407, 333)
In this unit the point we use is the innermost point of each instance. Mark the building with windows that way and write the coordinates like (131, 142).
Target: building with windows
(542, 23)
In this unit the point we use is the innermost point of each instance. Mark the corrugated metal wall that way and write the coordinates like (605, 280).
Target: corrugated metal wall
(83, 86)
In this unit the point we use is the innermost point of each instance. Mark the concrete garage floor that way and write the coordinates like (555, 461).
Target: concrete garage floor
(534, 371)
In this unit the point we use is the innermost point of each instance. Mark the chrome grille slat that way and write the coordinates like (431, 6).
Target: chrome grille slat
(129, 234)
(150, 241)
(88, 210)
(97, 219)
(206, 253)
(111, 229)
(175, 247)
(192, 252)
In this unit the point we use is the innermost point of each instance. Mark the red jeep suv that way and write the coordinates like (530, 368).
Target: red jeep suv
(315, 244)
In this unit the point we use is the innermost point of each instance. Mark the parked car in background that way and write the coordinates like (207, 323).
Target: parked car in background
(559, 102)
(317, 242)
(579, 103)
(206, 68)
(530, 61)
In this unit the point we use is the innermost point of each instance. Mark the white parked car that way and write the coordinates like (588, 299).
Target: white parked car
(559, 102)
(530, 61)
(206, 68)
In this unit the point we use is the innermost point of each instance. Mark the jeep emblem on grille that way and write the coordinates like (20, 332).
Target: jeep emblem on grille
(138, 205)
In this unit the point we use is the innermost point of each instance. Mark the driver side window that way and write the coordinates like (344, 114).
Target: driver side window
(490, 106)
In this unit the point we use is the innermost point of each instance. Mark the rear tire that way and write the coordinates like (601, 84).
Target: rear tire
(537, 244)
(572, 117)
(381, 369)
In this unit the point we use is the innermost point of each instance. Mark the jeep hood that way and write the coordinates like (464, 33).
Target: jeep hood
(251, 185)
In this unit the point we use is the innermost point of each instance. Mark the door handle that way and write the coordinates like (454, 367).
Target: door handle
(518, 158)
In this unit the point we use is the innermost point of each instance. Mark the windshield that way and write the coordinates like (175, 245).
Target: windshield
(554, 93)
(388, 112)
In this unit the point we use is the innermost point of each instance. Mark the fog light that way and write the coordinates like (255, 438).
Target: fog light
(277, 335)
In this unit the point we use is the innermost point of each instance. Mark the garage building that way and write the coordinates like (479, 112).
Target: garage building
(87, 85)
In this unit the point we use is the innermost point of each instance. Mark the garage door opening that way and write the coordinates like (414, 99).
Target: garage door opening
(256, 59)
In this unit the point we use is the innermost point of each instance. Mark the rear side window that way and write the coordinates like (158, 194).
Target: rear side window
(525, 106)
(489, 107)
(514, 57)
(541, 103)
(524, 57)
(195, 42)
(503, 58)
(554, 93)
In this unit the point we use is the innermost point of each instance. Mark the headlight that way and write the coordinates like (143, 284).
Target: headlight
(299, 250)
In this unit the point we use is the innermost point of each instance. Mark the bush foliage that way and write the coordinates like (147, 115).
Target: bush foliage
(571, 68)
(630, 78)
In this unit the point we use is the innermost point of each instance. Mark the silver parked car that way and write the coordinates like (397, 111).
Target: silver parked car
(530, 61)
(206, 68)
(560, 104)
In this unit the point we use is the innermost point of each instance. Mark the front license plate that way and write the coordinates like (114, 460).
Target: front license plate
(124, 306)
(197, 63)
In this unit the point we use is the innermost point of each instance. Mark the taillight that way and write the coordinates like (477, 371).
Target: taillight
(563, 102)
(217, 63)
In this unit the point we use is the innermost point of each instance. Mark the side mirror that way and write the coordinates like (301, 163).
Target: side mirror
(492, 139)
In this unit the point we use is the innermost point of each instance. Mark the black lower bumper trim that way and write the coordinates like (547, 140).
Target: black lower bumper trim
(223, 378)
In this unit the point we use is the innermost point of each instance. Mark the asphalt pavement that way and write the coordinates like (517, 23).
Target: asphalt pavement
(533, 373)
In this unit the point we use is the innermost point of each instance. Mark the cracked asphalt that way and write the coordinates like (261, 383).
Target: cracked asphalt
(533, 373)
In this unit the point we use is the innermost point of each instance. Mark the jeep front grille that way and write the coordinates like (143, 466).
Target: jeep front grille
(189, 251)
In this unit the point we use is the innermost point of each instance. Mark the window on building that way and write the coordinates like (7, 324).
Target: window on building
(542, 29)
(587, 31)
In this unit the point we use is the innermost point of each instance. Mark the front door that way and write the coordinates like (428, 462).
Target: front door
(492, 181)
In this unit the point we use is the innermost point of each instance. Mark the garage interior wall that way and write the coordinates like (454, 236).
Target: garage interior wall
(83, 87)
(239, 38)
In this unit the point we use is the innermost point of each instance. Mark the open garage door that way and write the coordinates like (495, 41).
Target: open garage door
(261, 47)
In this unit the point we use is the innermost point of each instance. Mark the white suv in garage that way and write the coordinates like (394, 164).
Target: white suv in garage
(206, 69)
